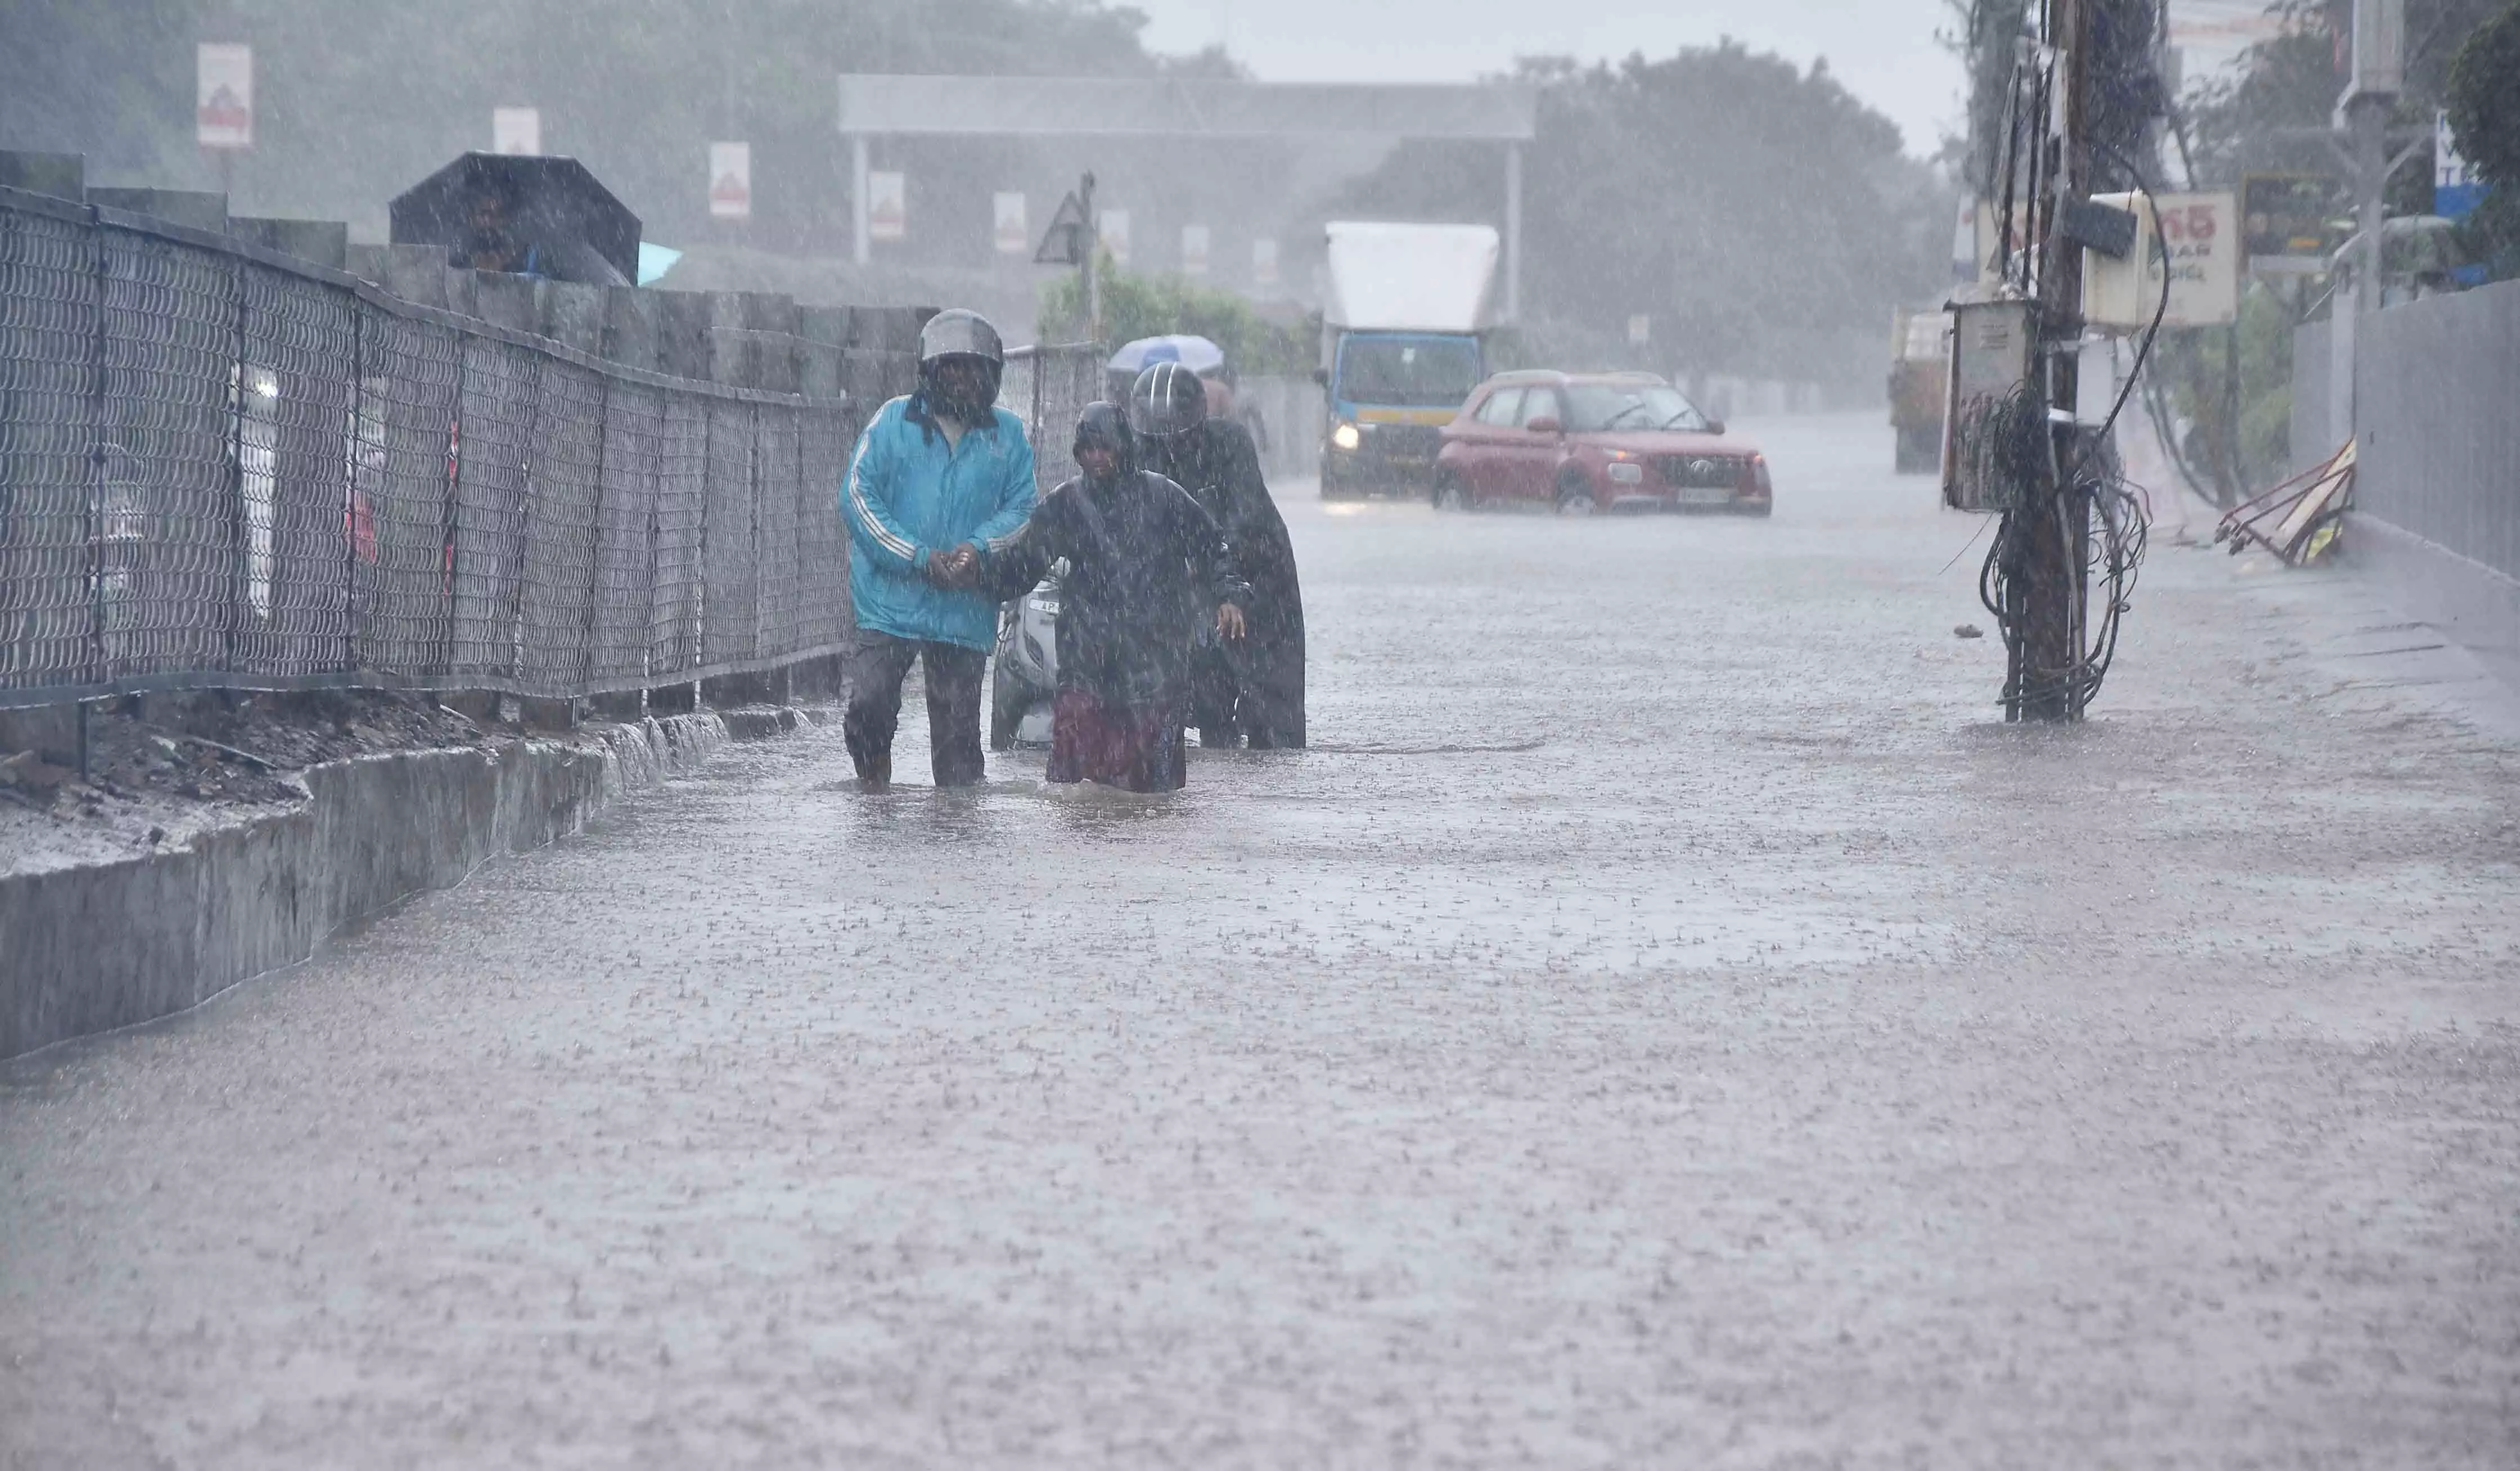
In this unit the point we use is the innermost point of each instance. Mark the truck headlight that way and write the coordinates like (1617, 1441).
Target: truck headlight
(1627, 473)
(1345, 437)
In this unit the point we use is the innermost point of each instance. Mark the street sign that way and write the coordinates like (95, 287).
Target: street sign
(516, 130)
(731, 180)
(1264, 261)
(887, 205)
(1639, 330)
(223, 113)
(1114, 229)
(1193, 254)
(2196, 243)
(1007, 207)
(2457, 190)
(2285, 223)
(1068, 236)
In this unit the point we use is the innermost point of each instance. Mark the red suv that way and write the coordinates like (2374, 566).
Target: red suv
(1595, 441)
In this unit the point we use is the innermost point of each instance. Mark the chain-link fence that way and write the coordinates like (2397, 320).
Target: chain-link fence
(219, 467)
(1048, 388)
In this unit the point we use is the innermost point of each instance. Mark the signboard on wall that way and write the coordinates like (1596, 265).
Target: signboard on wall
(2457, 190)
(1114, 226)
(1264, 261)
(1006, 209)
(731, 180)
(2286, 223)
(2196, 245)
(223, 110)
(516, 130)
(887, 205)
(1194, 256)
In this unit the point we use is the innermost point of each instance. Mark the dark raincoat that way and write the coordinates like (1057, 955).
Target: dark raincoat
(1254, 690)
(1146, 570)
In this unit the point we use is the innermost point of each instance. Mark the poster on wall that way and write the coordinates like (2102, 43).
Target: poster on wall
(887, 205)
(731, 180)
(1264, 261)
(223, 113)
(1114, 226)
(1194, 256)
(516, 130)
(1006, 209)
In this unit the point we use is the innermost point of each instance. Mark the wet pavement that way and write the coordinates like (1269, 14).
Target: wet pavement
(1667, 1020)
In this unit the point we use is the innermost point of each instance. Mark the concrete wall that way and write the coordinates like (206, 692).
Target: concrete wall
(2437, 486)
(88, 949)
(2437, 390)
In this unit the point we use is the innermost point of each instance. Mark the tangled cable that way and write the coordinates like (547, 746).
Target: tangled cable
(2093, 503)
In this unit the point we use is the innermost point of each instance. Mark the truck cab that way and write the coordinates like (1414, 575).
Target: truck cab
(1402, 348)
(1391, 396)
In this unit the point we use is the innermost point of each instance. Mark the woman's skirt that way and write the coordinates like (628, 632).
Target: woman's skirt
(1135, 749)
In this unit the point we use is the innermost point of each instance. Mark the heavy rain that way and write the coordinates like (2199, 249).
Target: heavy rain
(1040, 733)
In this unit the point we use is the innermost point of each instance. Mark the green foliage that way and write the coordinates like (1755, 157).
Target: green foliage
(1150, 305)
(2484, 99)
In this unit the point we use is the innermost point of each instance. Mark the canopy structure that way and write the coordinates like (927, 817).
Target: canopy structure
(1046, 107)
(551, 207)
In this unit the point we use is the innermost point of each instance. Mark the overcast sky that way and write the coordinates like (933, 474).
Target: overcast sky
(1882, 50)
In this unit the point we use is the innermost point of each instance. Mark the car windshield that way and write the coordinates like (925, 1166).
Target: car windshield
(1428, 373)
(1591, 407)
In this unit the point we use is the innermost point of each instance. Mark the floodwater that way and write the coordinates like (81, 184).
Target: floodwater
(1667, 1020)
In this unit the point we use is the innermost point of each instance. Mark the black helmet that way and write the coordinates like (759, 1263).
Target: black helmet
(1103, 423)
(1167, 399)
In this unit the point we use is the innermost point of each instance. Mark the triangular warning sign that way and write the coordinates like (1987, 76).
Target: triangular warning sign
(1066, 239)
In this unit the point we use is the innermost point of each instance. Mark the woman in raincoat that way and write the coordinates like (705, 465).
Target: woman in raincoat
(1252, 691)
(1146, 570)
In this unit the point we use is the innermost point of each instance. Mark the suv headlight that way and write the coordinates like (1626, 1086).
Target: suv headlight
(1627, 473)
(1345, 437)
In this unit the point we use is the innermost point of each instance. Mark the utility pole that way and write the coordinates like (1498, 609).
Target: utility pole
(1092, 269)
(2055, 546)
(2362, 124)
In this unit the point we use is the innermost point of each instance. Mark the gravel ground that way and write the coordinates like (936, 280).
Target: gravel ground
(1666, 1022)
(194, 763)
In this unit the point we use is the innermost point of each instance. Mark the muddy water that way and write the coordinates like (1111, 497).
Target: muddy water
(1668, 1022)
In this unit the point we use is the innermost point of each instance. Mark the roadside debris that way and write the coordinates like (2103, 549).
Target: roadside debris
(2299, 521)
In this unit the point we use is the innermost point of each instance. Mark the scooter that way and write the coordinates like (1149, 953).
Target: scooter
(1024, 671)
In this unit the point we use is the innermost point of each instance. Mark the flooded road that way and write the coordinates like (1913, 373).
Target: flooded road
(1668, 1020)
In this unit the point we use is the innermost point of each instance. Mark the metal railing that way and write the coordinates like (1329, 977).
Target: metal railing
(222, 467)
(1047, 386)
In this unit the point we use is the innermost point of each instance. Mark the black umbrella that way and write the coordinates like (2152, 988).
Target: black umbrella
(522, 213)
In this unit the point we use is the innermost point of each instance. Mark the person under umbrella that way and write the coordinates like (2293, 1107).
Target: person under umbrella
(1253, 691)
(1146, 570)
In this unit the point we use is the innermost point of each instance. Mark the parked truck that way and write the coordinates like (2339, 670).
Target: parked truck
(1402, 347)
(1921, 361)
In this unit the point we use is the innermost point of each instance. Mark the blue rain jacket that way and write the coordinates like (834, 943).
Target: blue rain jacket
(908, 495)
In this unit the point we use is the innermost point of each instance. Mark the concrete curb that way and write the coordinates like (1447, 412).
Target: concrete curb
(85, 950)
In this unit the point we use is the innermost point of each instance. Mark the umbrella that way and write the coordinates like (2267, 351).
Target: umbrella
(1195, 353)
(548, 216)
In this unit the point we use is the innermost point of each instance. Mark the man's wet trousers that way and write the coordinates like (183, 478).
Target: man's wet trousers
(872, 682)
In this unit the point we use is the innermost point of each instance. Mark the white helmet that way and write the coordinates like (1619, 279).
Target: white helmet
(957, 333)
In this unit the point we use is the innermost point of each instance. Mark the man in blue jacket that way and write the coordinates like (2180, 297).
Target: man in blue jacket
(939, 479)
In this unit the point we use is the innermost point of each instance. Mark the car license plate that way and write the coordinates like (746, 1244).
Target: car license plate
(1705, 495)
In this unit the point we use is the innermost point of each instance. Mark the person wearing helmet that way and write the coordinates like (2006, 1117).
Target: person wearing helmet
(939, 479)
(1254, 691)
(1146, 570)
